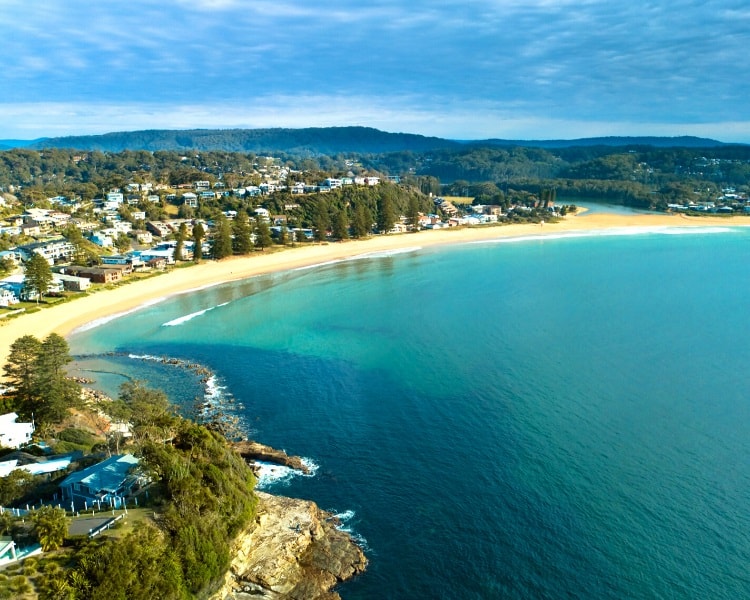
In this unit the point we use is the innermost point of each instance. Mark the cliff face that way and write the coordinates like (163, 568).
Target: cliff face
(292, 551)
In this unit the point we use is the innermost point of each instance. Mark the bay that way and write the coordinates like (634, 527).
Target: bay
(530, 418)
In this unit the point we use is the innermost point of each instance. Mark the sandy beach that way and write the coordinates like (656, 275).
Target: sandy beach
(64, 318)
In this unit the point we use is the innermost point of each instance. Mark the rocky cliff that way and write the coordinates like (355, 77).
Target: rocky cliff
(291, 551)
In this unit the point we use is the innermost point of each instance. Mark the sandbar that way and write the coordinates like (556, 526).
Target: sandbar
(64, 318)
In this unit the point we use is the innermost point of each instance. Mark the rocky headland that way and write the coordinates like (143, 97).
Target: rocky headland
(253, 451)
(292, 550)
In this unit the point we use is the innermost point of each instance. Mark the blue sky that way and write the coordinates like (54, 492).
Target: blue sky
(531, 69)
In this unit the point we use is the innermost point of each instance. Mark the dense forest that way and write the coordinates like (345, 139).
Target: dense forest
(636, 174)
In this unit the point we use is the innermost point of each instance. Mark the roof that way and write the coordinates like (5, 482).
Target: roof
(105, 476)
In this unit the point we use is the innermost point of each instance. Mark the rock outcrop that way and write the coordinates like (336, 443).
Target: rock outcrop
(252, 451)
(292, 550)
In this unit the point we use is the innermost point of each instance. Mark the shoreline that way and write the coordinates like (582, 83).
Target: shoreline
(108, 304)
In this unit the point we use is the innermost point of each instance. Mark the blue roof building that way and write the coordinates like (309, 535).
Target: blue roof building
(107, 481)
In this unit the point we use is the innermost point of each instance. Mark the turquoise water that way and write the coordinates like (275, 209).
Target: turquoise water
(543, 418)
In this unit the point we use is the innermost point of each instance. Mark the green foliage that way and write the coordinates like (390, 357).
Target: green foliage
(38, 276)
(15, 486)
(243, 242)
(198, 234)
(37, 371)
(51, 527)
(263, 237)
(222, 247)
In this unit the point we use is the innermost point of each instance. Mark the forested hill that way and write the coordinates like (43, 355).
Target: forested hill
(316, 141)
(685, 141)
(308, 141)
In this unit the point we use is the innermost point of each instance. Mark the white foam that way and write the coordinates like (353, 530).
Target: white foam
(108, 318)
(387, 253)
(345, 519)
(271, 474)
(610, 232)
(186, 318)
(379, 254)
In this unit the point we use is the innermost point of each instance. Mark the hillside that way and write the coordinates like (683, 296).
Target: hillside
(308, 141)
(316, 141)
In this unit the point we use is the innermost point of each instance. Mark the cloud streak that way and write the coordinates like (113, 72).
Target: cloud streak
(642, 65)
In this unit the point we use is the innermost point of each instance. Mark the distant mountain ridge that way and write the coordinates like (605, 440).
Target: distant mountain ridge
(321, 140)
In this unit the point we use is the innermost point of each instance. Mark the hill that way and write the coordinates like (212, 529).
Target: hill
(307, 141)
(316, 141)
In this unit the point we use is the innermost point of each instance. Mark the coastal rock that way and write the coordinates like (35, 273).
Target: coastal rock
(252, 451)
(291, 551)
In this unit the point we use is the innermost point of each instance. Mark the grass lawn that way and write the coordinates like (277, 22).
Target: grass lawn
(459, 199)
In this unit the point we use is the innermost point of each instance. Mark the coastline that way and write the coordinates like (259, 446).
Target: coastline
(65, 318)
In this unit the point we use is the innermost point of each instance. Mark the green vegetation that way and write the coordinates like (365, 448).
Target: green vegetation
(200, 497)
(37, 372)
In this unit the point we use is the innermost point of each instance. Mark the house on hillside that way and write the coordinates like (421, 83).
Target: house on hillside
(13, 434)
(106, 482)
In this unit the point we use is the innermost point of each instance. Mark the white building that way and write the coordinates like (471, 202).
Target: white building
(12, 434)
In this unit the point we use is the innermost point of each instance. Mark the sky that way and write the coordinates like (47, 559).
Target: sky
(477, 69)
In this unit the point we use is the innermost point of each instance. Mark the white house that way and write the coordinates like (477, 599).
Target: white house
(7, 297)
(12, 434)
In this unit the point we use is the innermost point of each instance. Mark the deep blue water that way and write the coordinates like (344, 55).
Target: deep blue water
(537, 419)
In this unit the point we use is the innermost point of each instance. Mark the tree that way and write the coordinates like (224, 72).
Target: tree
(20, 369)
(122, 242)
(262, 233)
(283, 235)
(412, 213)
(198, 234)
(341, 225)
(386, 213)
(149, 411)
(223, 239)
(38, 276)
(51, 527)
(243, 240)
(322, 220)
(54, 393)
(181, 237)
(7, 265)
(362, 221)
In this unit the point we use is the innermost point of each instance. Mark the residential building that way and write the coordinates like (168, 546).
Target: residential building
(12, 433)
(108, 481)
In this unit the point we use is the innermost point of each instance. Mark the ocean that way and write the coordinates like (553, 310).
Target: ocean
(558, 417)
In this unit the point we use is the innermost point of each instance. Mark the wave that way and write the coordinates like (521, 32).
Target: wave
(345, 523)
(103, 320)
(186, 318)
(365, 256)
(270, 474)
(386, 253)
(610, 232)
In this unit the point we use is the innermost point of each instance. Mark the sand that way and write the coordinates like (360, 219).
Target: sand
(64, 318)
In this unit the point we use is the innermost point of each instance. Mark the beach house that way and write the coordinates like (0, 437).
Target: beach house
(12, 433)
(106, 482)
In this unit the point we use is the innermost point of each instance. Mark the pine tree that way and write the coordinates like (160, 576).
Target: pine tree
(322, 220)
(341, 225)
(198, 234)
(223, 239)
(21, 368)
(181, 237)
(386, 212)
(54, 393)
(263, 237)
(282, 235)
(362, 221)
(243, 240)
(412, 213)
(38, 276)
